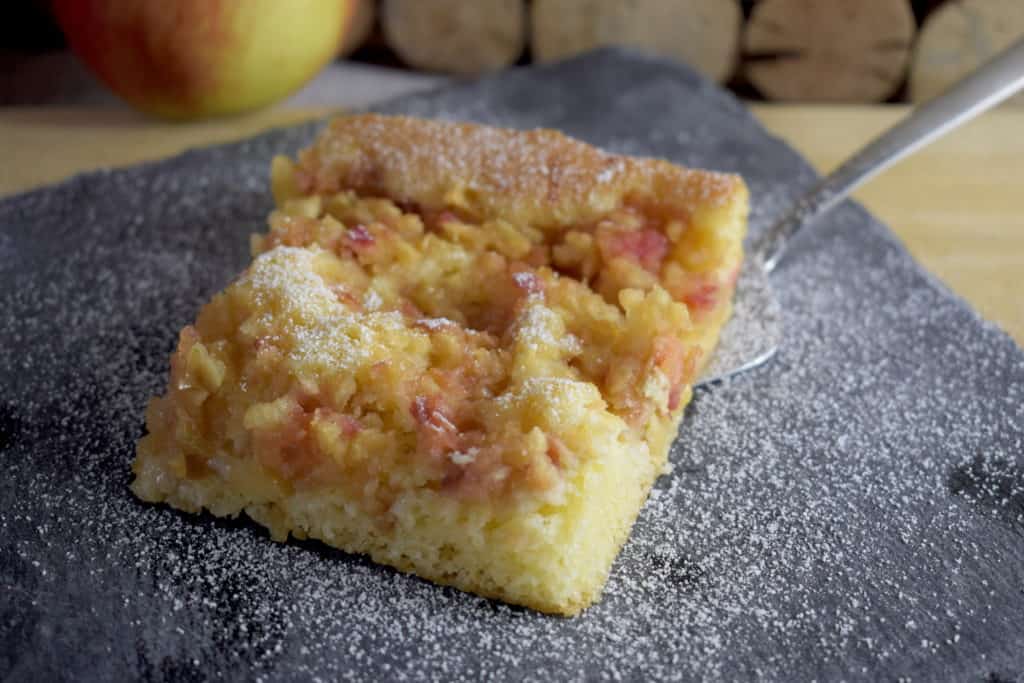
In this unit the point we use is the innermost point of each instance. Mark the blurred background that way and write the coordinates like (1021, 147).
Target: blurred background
(848, 51)
(824, 75)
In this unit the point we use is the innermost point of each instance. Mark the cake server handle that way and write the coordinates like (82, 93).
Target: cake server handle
(988, 86)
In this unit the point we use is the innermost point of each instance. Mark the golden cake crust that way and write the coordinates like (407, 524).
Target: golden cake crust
(541, 178)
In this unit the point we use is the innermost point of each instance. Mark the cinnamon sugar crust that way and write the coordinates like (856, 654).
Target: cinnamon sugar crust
(541, 178)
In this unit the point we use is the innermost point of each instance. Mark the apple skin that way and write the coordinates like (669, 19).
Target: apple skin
(186, 59)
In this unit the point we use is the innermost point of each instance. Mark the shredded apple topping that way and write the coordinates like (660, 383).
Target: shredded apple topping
(367, 334)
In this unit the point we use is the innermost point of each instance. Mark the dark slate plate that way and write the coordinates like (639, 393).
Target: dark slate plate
(853, 510)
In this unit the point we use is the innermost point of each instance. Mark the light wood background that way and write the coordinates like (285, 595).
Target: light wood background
(958, 205)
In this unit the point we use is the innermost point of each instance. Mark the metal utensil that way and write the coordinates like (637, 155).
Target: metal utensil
(754, 332)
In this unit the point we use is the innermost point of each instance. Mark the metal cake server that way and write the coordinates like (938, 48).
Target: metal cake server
(754, 332)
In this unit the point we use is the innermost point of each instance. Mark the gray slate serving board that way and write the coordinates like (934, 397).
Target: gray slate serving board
(853, 510)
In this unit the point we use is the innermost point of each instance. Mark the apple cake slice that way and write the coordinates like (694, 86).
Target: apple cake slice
(461, 350)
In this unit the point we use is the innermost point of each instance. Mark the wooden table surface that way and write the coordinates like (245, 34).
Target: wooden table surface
(958, 205)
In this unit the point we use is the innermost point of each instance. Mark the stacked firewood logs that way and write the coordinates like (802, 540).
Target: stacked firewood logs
(785, 50)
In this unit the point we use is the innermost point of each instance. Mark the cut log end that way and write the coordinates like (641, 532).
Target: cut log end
(454, 36)
(827, 51)
(703, 34)
(958, 38)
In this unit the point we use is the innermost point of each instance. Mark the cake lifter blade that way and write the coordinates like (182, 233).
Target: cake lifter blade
(754, 332)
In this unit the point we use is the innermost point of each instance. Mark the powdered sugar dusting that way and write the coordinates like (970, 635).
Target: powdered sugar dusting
(525, 280)
(539, 327)
(850, 511)
(435, 324)
(465, 457)
(372, 300)
(321, 331)
(286, 276)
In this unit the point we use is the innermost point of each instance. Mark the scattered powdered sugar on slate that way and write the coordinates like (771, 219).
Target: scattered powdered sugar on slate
(854, 509)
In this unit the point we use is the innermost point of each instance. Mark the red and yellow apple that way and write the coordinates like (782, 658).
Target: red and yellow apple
(196, 58)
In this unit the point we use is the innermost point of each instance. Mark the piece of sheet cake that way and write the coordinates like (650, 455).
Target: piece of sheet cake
(461, 350)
